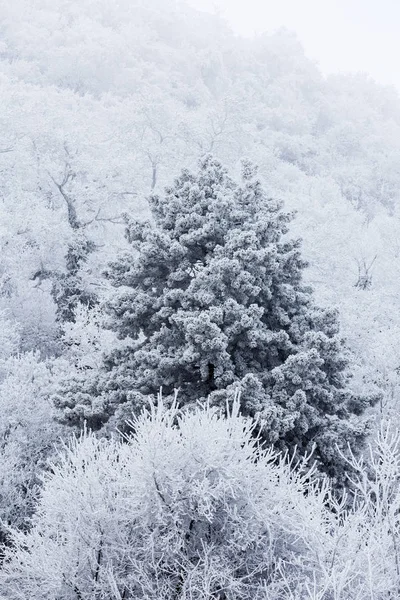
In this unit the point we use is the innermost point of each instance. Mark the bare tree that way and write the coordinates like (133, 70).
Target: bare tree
(364, 281)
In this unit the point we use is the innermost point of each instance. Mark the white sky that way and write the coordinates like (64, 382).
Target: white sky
(342, 35)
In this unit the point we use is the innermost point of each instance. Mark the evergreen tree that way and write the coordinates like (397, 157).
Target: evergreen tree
(69, 289)
(210, 301)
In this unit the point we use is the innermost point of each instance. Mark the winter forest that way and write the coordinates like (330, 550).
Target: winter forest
(199, 312)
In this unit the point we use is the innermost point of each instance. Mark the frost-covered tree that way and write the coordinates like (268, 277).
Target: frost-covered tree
(69, 289)
(210, 301)
(85, 130)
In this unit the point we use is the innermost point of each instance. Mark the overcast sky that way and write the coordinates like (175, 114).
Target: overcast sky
(342, 35)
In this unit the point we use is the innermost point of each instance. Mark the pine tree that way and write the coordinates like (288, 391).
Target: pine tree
(69, 290)
(210, 301)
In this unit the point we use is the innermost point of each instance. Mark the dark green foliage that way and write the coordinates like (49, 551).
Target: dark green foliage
(69, 289)
(211, 302)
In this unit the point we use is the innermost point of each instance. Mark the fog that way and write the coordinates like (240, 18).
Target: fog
(341, 35)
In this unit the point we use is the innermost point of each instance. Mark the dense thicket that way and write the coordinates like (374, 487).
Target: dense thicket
(189, 507)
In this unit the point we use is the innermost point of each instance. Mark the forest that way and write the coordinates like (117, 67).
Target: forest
(199, 312)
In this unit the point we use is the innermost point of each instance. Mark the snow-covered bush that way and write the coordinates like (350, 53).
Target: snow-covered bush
(190, 506)
(86, 338)
(28, 433)
(9, 337)
(374, 523)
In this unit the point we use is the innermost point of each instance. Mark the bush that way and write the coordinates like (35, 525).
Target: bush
(28, 434)
(190, 506)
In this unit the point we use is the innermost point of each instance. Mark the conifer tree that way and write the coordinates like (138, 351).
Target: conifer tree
(210, 301)
(69, 290)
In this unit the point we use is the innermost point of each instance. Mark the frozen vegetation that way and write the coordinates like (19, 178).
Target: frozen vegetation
(186, 210)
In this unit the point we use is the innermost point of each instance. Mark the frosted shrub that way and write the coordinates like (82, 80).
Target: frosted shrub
(9, 337)
(363, 557)
(86, 338)
(190, 507)
(376, 542)
(27, 435)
